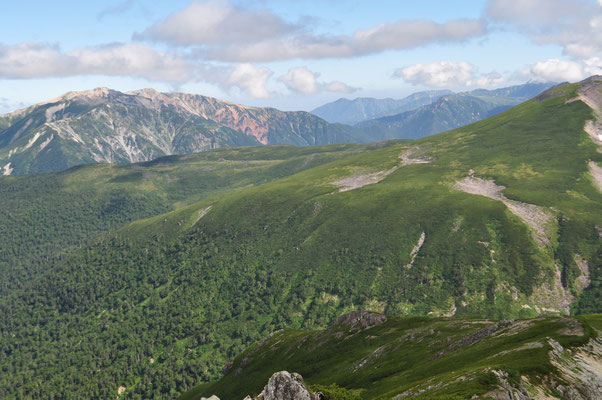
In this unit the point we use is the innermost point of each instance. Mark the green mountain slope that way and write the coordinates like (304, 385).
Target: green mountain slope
(350, 112)
(497, 219)
(427, 358)
(449, 112)
(104, 125)
(46, 216)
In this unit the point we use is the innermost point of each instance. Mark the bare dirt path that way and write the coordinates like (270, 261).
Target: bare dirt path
(534, 216)
(361, 180)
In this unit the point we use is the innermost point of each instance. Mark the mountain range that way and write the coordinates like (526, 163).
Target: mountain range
(143, 280)
(351, 112)
(107, 126)
(449, 111)
(104, 125)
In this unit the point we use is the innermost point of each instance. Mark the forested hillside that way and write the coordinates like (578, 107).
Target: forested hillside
(46, 216)
(498, 219)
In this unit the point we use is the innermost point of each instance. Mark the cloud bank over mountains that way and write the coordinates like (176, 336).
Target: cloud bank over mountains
(447, 74)
(232, 33)
(229, 44)
(302, 80)
(575, 26)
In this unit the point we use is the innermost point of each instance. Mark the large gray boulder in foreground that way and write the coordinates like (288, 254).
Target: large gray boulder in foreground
(285, 386)
(282, 385)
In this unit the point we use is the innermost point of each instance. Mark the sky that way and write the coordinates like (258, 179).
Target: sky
(292, 54)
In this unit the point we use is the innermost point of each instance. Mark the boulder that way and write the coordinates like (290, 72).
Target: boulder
(361, 319)
(284, 385)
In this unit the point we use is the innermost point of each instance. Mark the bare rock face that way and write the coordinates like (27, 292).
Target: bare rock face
(284, 385)
(360, 319)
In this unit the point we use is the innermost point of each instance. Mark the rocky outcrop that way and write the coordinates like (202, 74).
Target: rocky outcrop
(581, 369)
(360, 319)
(471, 339)
(284, 385)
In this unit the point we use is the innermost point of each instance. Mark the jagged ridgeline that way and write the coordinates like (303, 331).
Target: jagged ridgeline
(107, 126)
(104, 125)
(498, 219)
(368, 356)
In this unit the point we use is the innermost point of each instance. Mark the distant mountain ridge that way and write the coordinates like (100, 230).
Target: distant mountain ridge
(107, 126)
(104, 125)
(351, 112)
(450, 112)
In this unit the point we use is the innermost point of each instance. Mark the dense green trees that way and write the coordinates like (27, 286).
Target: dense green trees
(163, 303)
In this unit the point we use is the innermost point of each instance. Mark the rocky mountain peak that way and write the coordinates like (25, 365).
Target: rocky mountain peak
(146, 92)
(96, 93)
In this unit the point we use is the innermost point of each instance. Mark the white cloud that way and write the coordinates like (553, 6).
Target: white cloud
(447, 74)
(302, 80)
(37, 60)
(574, 25)
(236, 34)
(337, 86)
(492, 79)
(556, 70)
(251, 79)
(215, 22)
(402, 34)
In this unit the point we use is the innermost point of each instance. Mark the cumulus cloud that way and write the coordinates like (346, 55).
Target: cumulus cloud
(402, 34)
(447, 74)
(556, 70)
(232, 33)
(399, 35)
(216, 22)
(337, 86)
(249, 78)
(38, 60)
(302, 80)
(576, 26)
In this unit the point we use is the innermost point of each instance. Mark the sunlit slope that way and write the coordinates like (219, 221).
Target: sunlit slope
(421, 228)
(46, 216)
(426, 358)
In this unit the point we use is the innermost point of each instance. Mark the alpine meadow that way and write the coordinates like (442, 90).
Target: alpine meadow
(432, 229)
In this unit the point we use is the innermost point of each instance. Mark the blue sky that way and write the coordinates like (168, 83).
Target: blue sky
(292, 54)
